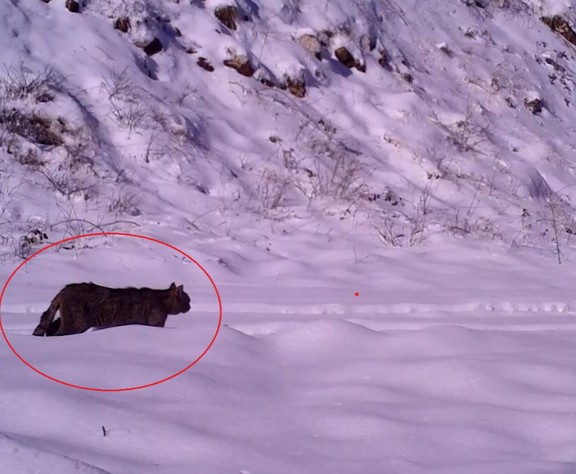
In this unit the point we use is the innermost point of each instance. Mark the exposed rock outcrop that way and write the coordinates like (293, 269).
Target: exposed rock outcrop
(383, 59)
(345, 57)
(368, 43)
(73, 6)
(154, 47)
(227, 15)
(122, 24)
(560, 25)
(296, 87)
(205, 64)
(536, 106)
(312, 45)
(348, 60)
(241, 64)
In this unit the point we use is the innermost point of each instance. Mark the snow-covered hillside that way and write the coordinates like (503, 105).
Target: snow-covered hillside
(418, 153)
(402, 121)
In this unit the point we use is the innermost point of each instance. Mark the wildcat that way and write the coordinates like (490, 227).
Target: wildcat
(86, 305)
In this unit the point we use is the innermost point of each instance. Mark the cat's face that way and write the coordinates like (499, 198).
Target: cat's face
(179, 299)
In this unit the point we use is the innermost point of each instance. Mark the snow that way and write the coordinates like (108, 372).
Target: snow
(447, 361)
(27, 460)
(425, 184)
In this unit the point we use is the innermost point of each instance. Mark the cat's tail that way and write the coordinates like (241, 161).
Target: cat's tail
(47, 323)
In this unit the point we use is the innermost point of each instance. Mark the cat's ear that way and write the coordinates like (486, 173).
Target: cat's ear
(173, 286)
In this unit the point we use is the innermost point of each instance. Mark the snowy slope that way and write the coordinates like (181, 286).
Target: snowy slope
(434, 177)
(442, 133)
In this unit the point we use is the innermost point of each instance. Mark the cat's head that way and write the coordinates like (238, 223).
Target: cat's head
(178, 299)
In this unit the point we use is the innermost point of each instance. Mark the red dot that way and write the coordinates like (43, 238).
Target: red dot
(356, 294)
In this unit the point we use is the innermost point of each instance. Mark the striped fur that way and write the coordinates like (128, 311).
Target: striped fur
(86, 305)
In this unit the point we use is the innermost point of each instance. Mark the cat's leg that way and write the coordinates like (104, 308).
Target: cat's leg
(68, 329)
(157, 319)
(71, 323)
(47, 318)
(53, 328)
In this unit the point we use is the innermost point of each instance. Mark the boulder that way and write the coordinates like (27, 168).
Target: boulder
(312, 45)
(122, 24)
(296, 87)
(383, 59)
(241, 64)
(560, 25)
(204, 64)
(536, 106)
(345, 57)
(368, 43)
(227, 16)
(154, 47)
(73, 6)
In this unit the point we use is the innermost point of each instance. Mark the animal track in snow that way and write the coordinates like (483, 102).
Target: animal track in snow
(505, 307)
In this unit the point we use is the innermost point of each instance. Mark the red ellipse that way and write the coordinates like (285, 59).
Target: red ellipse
(124, 389)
